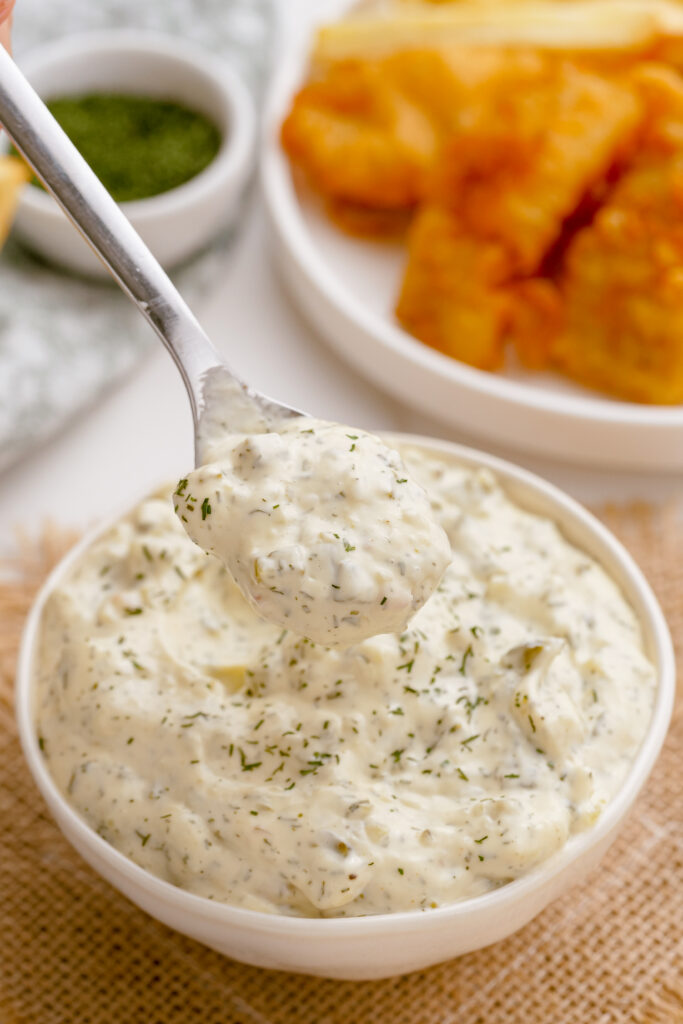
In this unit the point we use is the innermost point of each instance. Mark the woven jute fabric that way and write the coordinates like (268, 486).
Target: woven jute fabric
(76, 952)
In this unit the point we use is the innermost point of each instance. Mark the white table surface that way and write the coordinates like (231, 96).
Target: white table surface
(141, 433)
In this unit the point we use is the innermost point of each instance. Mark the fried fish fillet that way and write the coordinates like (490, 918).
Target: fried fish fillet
(454, 294)
(498, 199)
(359, 139)
(517, 174)
(548, 194)
(619, 323)
(369, 132)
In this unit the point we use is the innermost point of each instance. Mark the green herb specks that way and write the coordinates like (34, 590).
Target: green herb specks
(463, 664)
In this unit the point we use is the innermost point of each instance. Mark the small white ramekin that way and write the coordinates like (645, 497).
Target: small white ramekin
(174, 224)
(387, 944)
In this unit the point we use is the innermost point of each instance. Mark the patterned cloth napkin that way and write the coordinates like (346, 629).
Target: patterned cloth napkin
(64, 340)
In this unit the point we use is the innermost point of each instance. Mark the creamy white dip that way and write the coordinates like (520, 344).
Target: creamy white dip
(321, 527)
(252, 766)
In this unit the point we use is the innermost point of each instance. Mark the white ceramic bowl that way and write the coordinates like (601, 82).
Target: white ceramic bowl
(347, 287)
(174, 224)
(388, 944)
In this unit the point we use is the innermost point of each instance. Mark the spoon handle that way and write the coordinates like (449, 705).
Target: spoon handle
(84, 199)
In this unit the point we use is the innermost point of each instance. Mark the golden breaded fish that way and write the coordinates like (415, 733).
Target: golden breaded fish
(622, 284)
(369, 132)
(453, 296)
(498, 201)
(359, 139)
(519, 172)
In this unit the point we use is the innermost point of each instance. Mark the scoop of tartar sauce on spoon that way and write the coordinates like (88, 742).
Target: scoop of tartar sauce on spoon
(320, 526)
(318, 523)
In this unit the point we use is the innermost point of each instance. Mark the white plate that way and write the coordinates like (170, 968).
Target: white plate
(347, 288)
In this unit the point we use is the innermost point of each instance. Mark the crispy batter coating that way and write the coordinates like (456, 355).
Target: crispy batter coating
(622, 284)
(368, 221)
(623, 291)
(522, 170)
(369, 132)
(359, 139)
(453, 296)
(546, 200)
(498, 199)
(535, 321)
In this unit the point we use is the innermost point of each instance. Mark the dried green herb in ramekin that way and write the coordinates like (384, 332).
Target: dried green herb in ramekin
(138, 146)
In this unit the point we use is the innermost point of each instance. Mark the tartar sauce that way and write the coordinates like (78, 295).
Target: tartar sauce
(321, 527)
(251, 765)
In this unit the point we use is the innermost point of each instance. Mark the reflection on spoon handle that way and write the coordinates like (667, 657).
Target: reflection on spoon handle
(84, 199)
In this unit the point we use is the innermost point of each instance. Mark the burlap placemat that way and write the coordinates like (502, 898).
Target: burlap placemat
(75, 952)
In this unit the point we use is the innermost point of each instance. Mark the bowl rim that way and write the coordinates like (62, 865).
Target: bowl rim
(231, 162)
(569, 513)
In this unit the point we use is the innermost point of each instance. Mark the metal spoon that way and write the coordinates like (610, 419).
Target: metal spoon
(84, 199)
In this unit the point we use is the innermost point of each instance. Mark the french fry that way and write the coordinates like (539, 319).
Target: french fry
(668, 13)
(669, 16)
(664, 9)
(594, 25)
(13, 175)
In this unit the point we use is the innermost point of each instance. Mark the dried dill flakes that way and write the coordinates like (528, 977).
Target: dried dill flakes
(463, 664)
(138, 146)
(470, 739)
